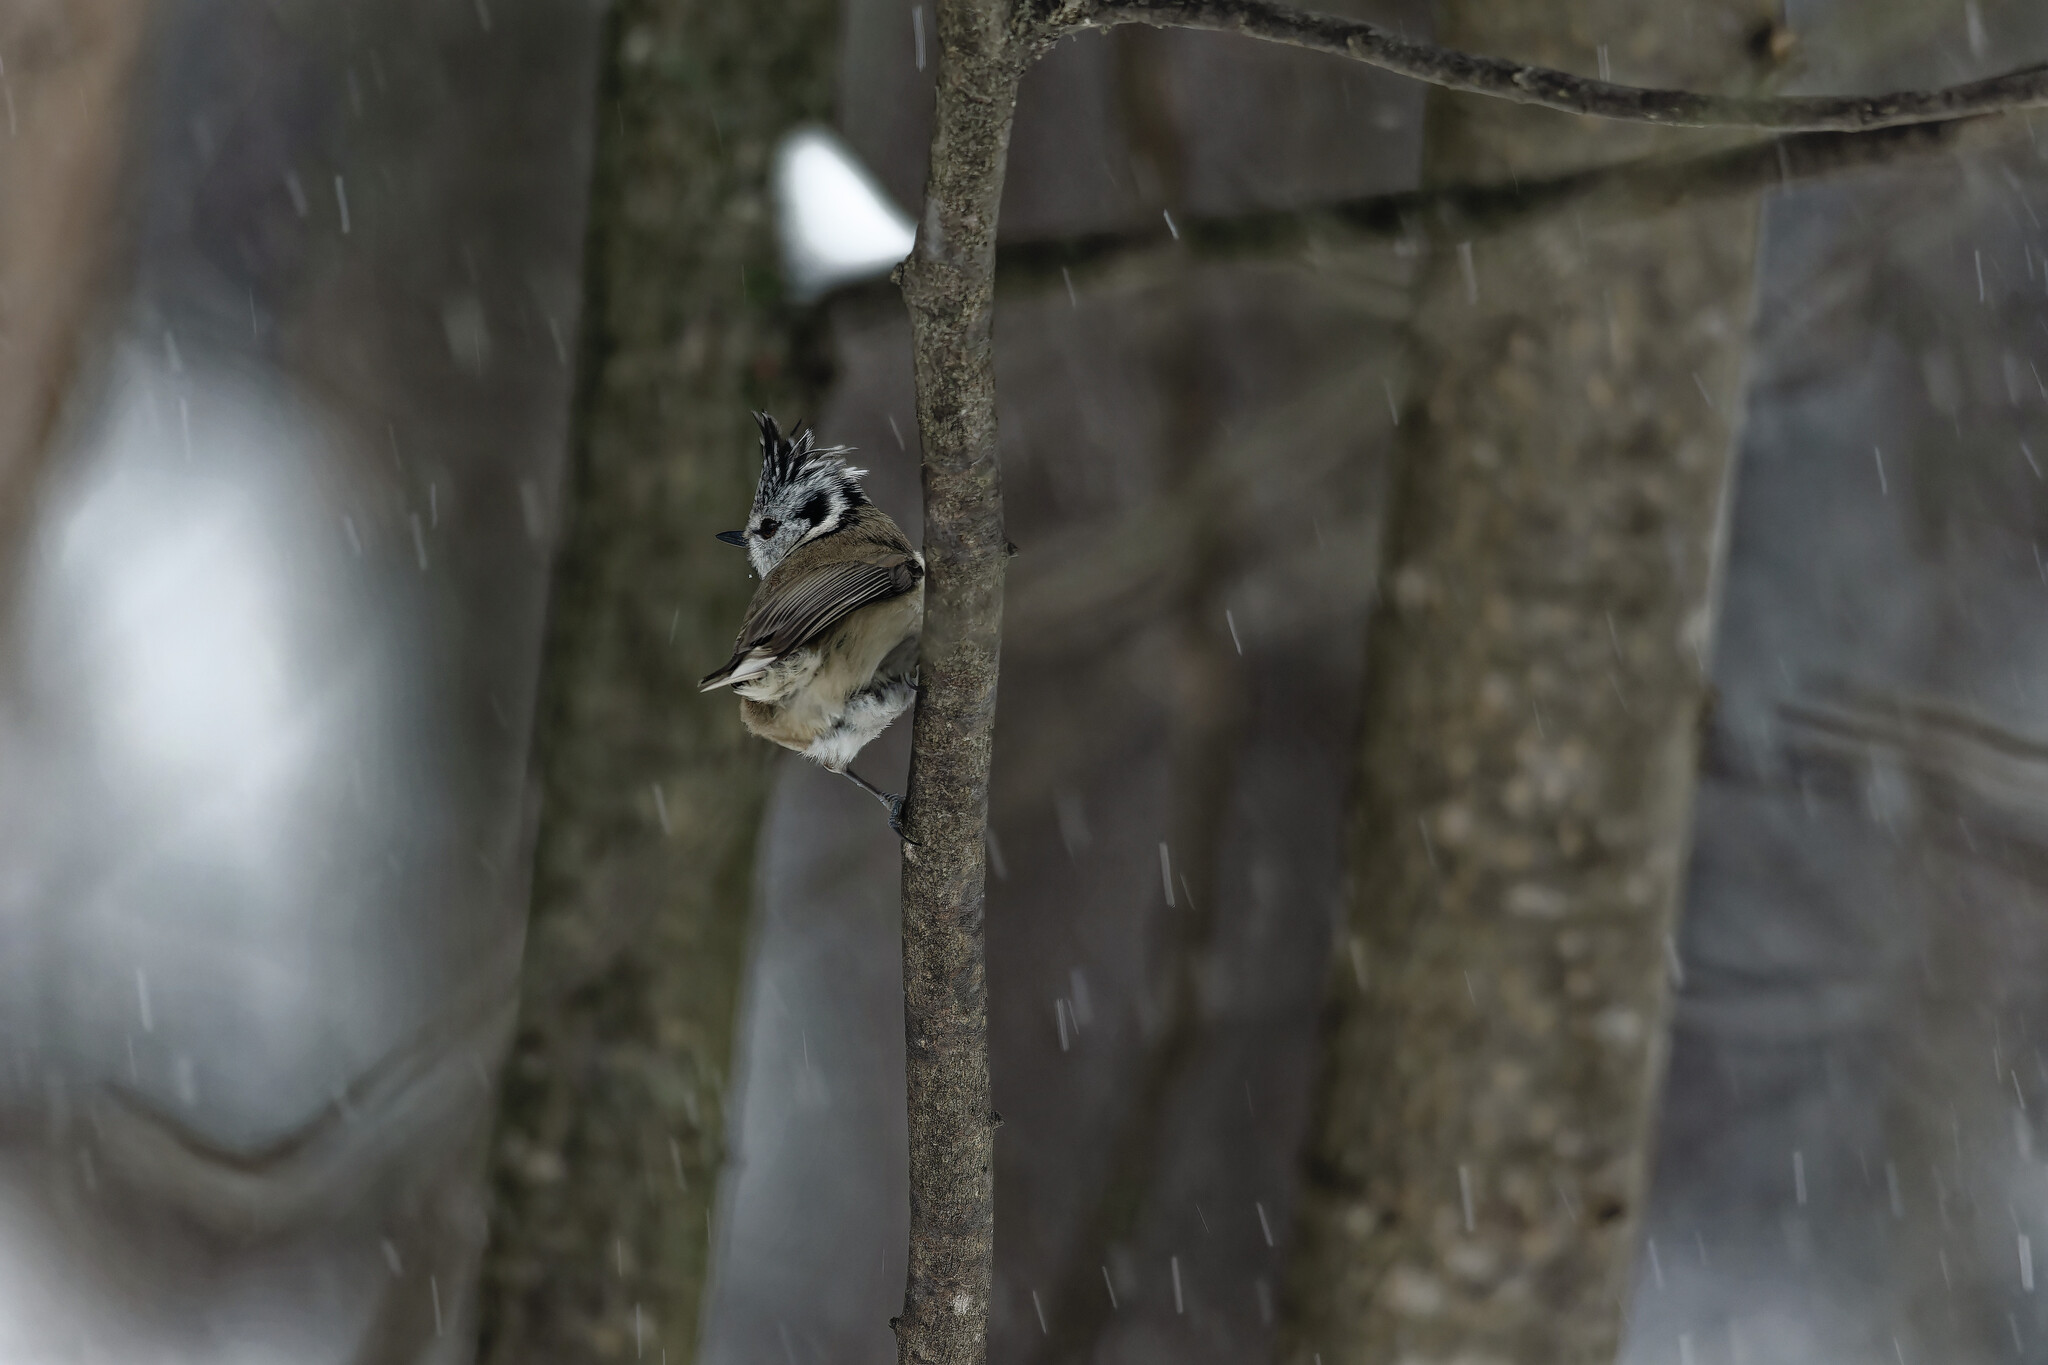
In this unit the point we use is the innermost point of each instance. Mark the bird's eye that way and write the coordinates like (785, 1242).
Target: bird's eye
(768, 529)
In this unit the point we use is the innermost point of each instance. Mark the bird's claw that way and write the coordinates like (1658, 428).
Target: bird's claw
(895, 804)
(888, 799)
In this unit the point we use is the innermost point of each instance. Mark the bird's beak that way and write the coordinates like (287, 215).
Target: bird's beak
(733, 537)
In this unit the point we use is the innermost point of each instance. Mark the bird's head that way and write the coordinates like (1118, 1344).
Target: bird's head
(806, 491)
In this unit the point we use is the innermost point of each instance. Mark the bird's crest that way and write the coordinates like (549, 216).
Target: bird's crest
(787, 461)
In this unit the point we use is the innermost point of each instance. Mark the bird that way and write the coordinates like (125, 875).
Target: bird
(827, 654)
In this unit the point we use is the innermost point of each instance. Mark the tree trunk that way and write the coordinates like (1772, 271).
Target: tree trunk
(66, 86)
(1535, 682)
(614, 1099)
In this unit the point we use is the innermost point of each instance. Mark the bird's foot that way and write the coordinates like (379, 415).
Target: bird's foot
(895, 805)
(889, 799)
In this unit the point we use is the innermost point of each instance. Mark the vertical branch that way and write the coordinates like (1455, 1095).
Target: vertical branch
(949, 285)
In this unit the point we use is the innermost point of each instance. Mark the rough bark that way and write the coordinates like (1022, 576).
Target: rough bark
(614, 1102)
(1454, 69)
(1535, 680)
(949, 285)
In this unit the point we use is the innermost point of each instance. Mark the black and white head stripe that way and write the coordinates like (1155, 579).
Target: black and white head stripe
(788, 461)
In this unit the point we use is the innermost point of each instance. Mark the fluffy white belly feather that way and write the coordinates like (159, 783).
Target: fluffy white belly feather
(867, 714)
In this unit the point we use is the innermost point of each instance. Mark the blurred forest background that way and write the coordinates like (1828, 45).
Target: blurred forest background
(399, 961)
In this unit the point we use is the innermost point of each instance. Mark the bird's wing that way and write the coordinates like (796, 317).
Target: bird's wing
(791, 611)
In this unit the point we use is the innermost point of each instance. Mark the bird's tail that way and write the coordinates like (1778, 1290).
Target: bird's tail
(737, 670)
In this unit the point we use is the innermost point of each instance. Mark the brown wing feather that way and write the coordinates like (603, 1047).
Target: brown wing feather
(813, 600)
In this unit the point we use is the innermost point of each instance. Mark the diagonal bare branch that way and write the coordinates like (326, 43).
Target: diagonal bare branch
(1463, 212)
(2026, 88)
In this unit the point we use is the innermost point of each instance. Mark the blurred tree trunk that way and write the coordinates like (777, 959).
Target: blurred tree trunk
(64, 97)
(1535, 681)
(614, 1100)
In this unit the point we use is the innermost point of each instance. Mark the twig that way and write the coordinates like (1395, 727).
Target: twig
(2026, 88)
(949, 285)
